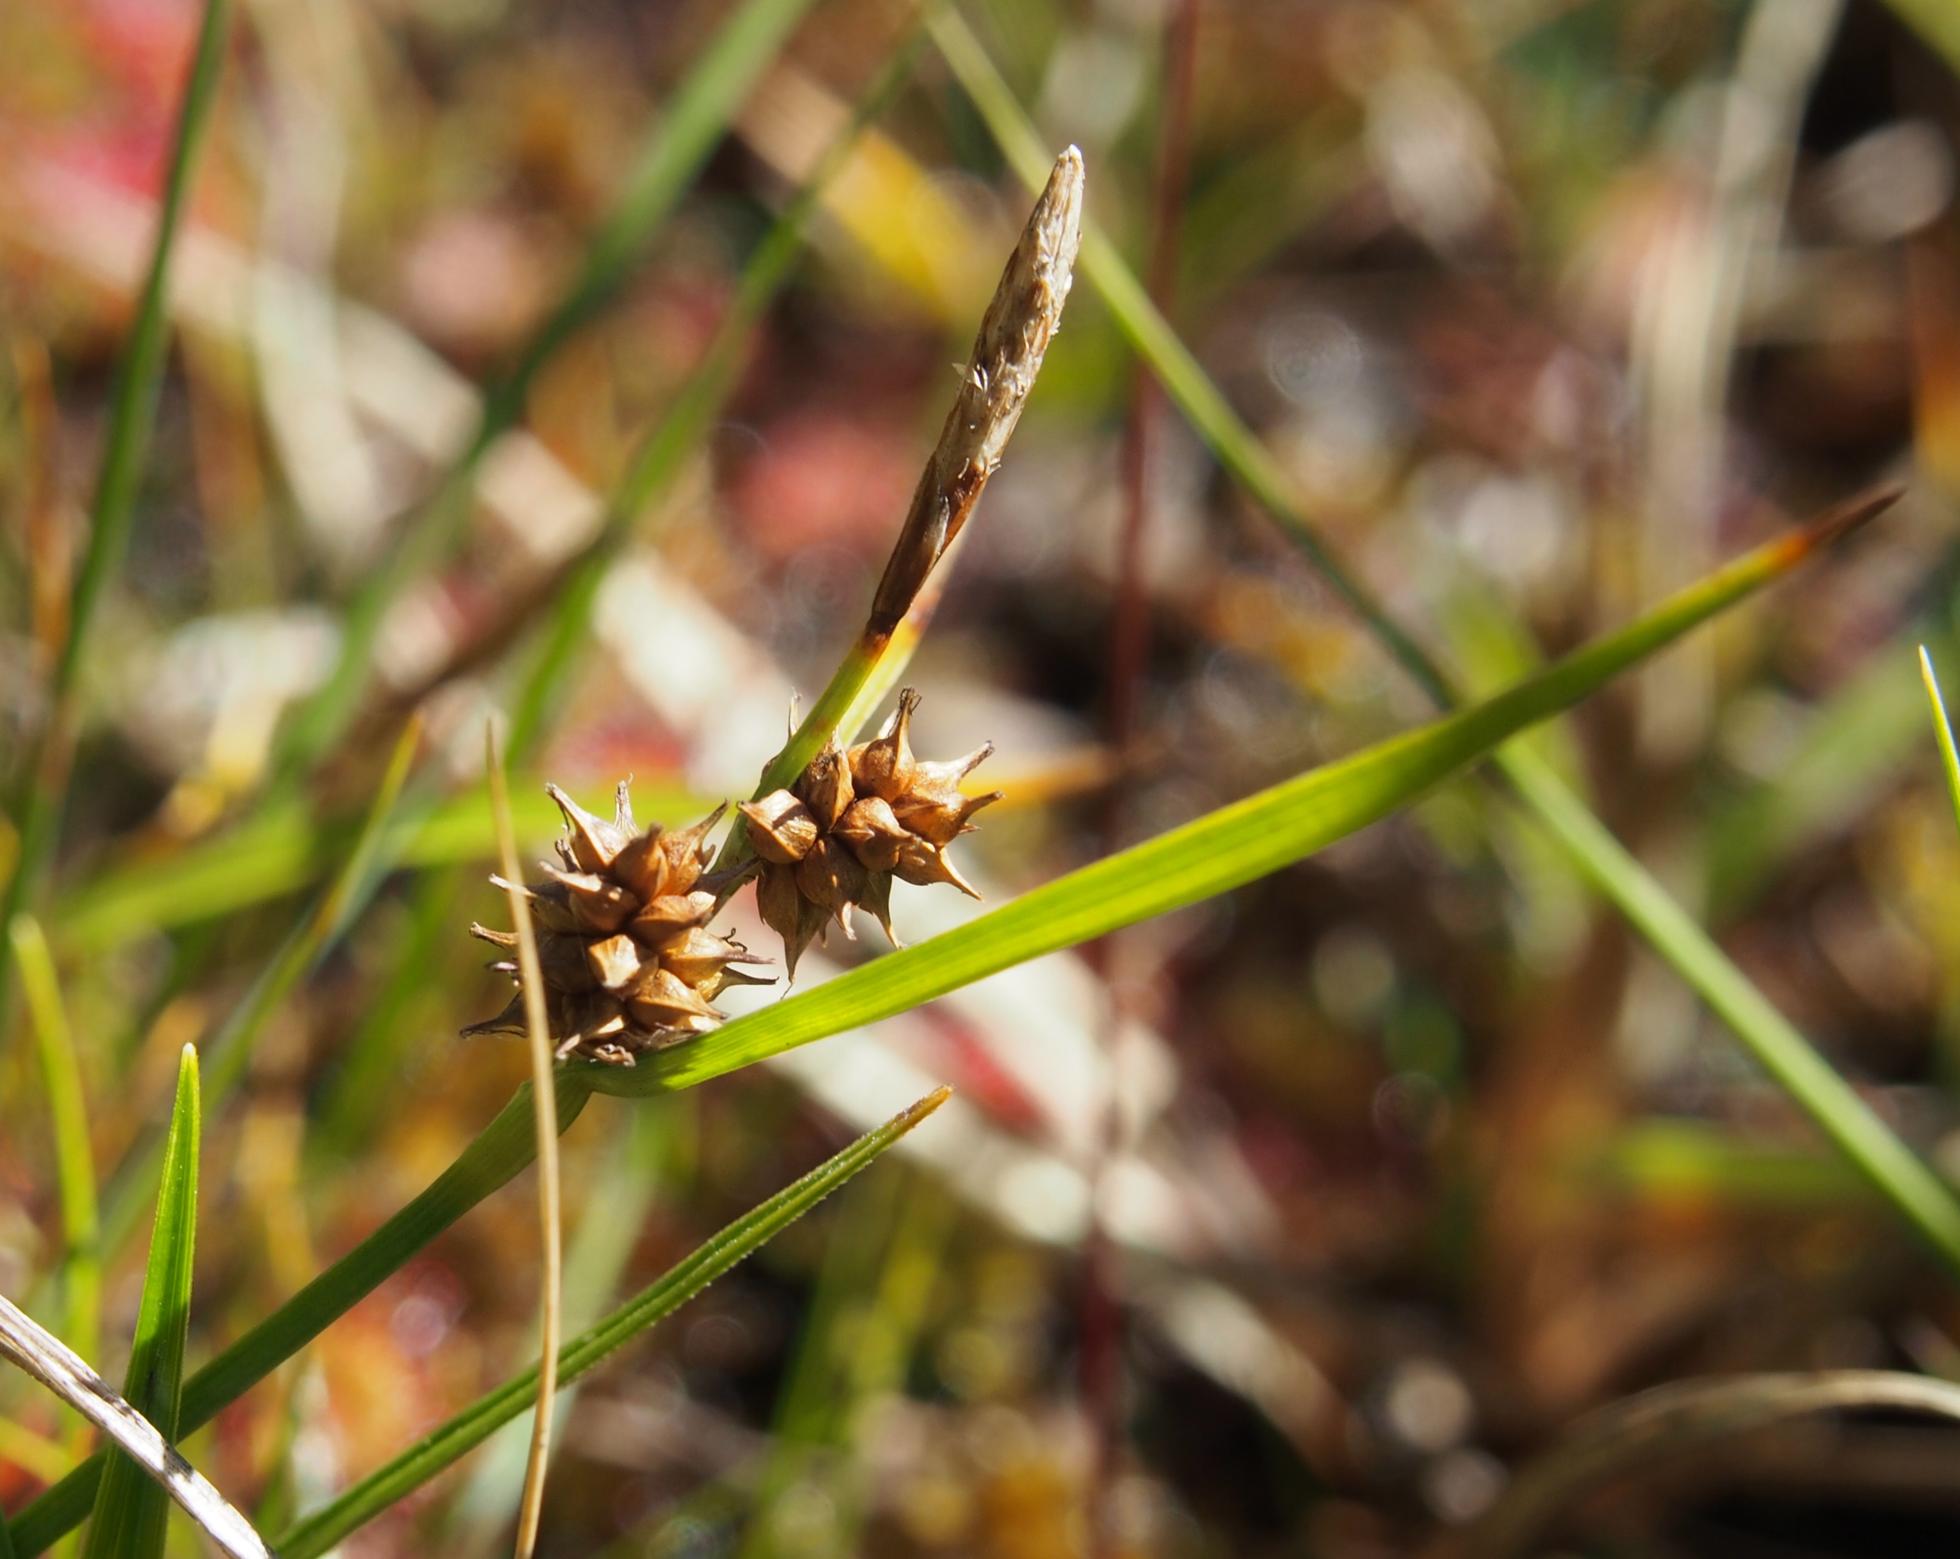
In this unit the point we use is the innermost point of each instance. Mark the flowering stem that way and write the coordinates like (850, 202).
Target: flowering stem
(1007, 354)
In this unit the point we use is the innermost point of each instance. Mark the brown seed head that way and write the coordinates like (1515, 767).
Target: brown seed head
(626, 961)
(660, 999)
(661, 920)
(850, 822)
(641, 865)
(597, 903)
(697, 957)
(688, 852)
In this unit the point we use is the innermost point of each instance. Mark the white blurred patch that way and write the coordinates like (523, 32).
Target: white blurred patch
(208, 699)
(1434, 153)
(1890, 183)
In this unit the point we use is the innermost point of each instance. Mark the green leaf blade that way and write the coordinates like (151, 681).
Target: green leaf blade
(1942, 730)
(1237, 844)
(1218, 852)
(470, 1428)
(61, 1075)
(1926, 1202)
(130, 1506)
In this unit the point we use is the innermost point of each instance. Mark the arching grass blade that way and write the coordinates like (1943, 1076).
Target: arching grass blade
(1926, 1204)
(429, 1456)
(1217, 852)
(1221, 850)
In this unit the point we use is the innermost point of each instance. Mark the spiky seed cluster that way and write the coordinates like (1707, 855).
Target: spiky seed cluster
(628, 962)
(850, 824)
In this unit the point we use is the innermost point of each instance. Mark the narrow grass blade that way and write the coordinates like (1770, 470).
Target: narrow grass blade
(429, 1456)
(501, 1150)
(81, 1265)
(129, 1506)
(714, 88)
(1217, 852)
(230, 1050)
(544, 1102)
(1942, 730)
(132, 410)
(1892, 1167)
(1022, 319)
(39, 1353)
(1683, 1418)
(1220, 851)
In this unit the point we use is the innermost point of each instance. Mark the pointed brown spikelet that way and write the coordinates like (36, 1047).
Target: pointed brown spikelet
(853, 821)
(628, 962)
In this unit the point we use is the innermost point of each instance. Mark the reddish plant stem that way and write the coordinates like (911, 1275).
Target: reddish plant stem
(1101, 1313)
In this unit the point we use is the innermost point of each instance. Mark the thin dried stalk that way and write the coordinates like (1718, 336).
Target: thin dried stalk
(37, 1351)
(545, 1106)
(1678, 1419)
(1014, 334)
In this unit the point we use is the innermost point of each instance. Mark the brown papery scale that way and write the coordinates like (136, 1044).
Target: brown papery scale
(851, 822)
(623, 947)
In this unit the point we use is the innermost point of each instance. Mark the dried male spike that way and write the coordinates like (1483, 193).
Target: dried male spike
(850, 823)
(627, 961)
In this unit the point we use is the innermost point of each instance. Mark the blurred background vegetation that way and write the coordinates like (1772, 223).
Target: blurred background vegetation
(1292, 1223)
